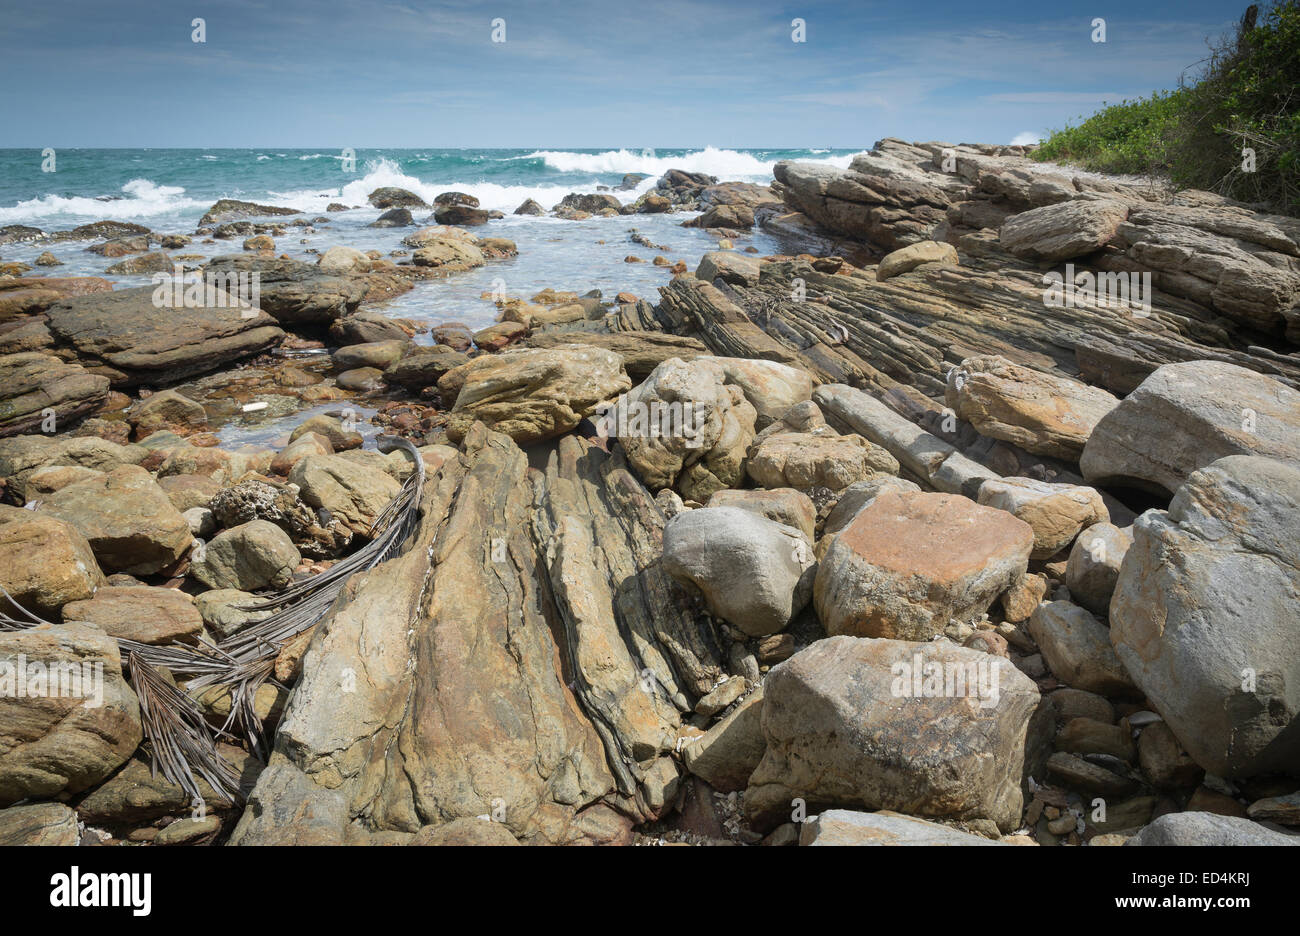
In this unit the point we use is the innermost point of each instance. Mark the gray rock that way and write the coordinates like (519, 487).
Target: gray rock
(1078, 649)
(1064, 230)
(1094, 565)
(250, 556)
(1203, 828)
(1204, 614)
(1185, 416)
(845, 827)
(754, 573)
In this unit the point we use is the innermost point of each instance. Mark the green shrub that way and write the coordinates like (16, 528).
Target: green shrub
(1247, 95)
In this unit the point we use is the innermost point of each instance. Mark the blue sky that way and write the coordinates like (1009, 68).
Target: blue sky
(577, 74)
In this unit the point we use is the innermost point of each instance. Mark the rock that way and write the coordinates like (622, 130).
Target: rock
(726, 754)
(140, 613)
(642, 351)
(291, 291)
(729, 267)
(858, 495)
(1094, 565)
(343, 260)
(39, 390)
(188, 831)
(1078, 703)
(593, 203)
(125, 331)
(535, 394)
(845, 728)
(353, 494)
(1207, 829)
(783, 505)
(1055, 512)
(159, 262)
(339, 437)
(1020, 600)
(390, 196)
(364, 326)
(361, 379)
(222, 612)
(908, 258)
(1064, 230)
(227, 209)
(379, 354)
(1077, 647)
(720, 696)
(530, 207)
(421, 366)
(841, 827)
(1041, 413)
(909, 563)
(65, 742)
(1163, 759)
(753, 572)
(39, 824)
(1078, 774)
(259, 242)
(168, 409)
(462, 832)
(52, 478)
(498, 336)
(710, 427)
(823, 459)
(461, 215)
(731, 217)
(202, 523)
(67, 570)
(1185, 416)
(252, 555)
(393, 217)
(130, 523)
(1284, 810)
(1088, 736)
(1203, 614)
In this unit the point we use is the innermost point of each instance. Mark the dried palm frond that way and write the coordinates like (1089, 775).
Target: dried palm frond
(180, 740)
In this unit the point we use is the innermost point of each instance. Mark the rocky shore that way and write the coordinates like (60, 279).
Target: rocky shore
(972, 519)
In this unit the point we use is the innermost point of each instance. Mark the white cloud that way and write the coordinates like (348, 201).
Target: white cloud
(1025, 138)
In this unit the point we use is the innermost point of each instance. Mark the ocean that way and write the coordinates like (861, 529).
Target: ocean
(169, 190)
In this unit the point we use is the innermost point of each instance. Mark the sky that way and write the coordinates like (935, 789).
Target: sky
(579, 74)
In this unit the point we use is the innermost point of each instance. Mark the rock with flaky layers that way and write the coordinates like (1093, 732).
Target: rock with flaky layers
(821, 458)
(1064, 230)
(134, 341)
(1185, 416)
(848, 723)
(910, 563)
(1204, 615)
(291, 291)
(754, 573)
(52, 743)
(642, 653)
(1056, 512)
(1042, 413)
(461, 707)
(129, 521)
(709, 425)
(726, 754)
(38, 390)
(533, 394)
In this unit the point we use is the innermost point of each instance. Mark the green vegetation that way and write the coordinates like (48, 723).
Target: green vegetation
(1246, 96)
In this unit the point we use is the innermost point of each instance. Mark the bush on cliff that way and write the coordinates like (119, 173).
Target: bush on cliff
(1247, 96)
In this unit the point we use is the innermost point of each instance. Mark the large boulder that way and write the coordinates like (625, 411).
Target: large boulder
(1204, 615)
(141, 342)
(1042, 413)
(685, 427)
(910, 563)
(908, 258)
(821, 458)
(292, 291)
(354, 494)
(844, 827)
(250, 556)
(129, 521)
(390, 196)
(1185, 416)
(753, 572)
(1064, 230)
(1094, 564)
(532, 395)
(929, 728)
(770, 386)
(67, 570)
(1208, 829)
(784, 505)
(73, 721)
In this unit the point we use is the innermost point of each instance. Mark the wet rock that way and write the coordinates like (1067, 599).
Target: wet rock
(168, 409)
(227, 209)
(391, 196)
(339, 436)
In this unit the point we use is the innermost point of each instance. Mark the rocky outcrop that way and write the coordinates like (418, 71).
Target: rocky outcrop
(1203, 615)
(38, 389)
